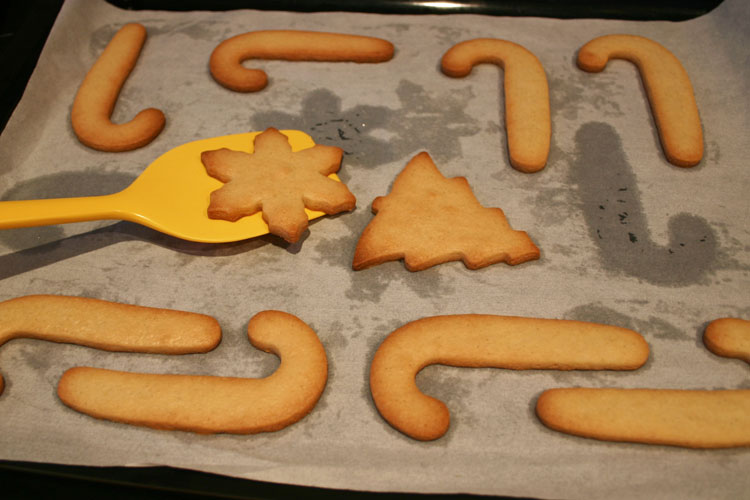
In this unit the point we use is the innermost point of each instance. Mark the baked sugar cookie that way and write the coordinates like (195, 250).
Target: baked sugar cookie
(474, 340)
(687, 418)
(212, 404)
(278, 182)
(289, 45)
(668, 87)
(427, 220)
(97, 96)
(527, 110)
(110, 326)
(729, 337)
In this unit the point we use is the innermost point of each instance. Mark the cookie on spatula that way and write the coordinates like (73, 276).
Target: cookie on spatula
(277, 181)
(428, 219)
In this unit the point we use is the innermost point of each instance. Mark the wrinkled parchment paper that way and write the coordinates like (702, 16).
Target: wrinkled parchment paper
(667, 256)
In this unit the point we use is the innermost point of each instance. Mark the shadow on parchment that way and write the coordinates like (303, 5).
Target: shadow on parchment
(41, 246)
(29, 259)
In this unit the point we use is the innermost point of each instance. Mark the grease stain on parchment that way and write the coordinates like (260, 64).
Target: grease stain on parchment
(371, 136)
(368, 285)
(575, 92)
(651, 326)
(203, 29)
(610, 199)
(374, 135)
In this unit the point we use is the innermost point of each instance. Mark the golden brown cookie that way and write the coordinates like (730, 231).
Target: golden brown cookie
(688, 418)
(210, 404)
(277, 181)
(109, 326)
(474, 340)
(289, 45)
(667, 85)
(729, 337)
(527, 111)
(97, 96)
(427, 219)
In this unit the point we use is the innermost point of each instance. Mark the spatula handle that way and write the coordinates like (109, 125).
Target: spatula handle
(46, 212)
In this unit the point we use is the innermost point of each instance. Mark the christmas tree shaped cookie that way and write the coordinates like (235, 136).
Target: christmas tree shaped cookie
(277, 181)
(428, 219)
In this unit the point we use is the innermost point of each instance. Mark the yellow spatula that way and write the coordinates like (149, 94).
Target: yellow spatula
(171, 196)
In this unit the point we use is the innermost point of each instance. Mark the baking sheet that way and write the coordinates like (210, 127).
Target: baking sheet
(671, 260)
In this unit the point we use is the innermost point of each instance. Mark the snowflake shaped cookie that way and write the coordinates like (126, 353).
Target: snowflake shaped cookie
(278, 182)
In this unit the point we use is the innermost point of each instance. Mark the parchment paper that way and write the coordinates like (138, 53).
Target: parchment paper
(667, 256)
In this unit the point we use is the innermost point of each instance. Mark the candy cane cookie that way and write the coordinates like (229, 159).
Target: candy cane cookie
(686, 418)
(212, 404)
(487, 341)
(110, 326)
(667, 85)
(527, 109)
(729, 337)
(97, 96)
(226, 60)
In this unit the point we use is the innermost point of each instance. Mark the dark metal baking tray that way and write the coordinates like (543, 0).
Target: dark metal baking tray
(24, 27)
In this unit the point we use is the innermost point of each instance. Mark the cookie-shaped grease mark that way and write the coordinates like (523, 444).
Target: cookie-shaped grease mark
(653, 325)
(375, 135)
(571, 93)
(429, 284)
(610, 200)
(201, 29)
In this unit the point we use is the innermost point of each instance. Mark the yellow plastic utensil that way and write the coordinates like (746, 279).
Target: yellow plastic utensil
(171, 196)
